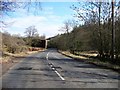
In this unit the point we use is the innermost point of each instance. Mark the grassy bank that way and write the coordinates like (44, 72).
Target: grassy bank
(7, 57)
(85, 57)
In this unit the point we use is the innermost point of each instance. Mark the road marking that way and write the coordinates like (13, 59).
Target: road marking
(47, 56)
(51, 65)
(59, 75)
(53, 68)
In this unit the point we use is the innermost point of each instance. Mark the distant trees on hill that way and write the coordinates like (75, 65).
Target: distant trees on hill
(32, 37)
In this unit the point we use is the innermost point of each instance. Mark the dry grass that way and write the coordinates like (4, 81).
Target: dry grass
(8, 57)
(72, 55)
(91, 60)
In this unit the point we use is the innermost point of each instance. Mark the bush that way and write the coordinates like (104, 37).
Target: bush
(13, 44)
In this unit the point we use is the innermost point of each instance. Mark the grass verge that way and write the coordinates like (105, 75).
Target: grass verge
(96, 61)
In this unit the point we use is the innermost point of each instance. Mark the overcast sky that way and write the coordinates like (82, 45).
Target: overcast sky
(48, 21)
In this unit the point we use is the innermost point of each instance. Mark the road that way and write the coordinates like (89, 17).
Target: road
(50, 69)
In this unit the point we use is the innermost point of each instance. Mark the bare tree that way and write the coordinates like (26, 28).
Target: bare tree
(31, 31)
(67, 26)
(13, 5)
(7, 6)
(42, 37)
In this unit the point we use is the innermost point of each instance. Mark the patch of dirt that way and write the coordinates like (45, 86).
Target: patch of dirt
(6, 65)
(24, 68)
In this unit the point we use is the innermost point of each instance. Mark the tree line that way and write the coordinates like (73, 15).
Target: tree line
(96, 31)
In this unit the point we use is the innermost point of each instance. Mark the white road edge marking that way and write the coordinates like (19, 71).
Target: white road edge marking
(54, 69)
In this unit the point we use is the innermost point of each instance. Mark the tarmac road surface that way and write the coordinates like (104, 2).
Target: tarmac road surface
(50, 69)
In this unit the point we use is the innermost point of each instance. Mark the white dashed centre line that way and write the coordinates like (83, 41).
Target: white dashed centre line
(47, 56)
(59, 75)
(54, 68)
